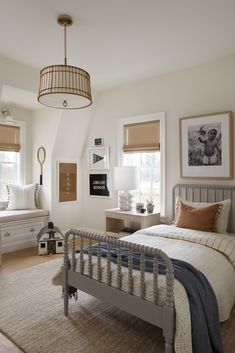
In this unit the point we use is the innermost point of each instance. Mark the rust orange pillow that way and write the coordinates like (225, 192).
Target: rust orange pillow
(203, 218)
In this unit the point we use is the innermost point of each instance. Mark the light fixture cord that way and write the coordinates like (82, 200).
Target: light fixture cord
(65, 46)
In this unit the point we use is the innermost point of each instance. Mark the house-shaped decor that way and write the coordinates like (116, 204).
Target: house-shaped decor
(50, 240)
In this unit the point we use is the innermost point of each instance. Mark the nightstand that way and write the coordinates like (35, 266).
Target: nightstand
(117, 220)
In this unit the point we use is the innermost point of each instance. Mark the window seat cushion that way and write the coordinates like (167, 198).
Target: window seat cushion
(16, 215)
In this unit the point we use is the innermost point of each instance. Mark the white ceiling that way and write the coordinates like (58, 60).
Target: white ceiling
(19, 97)
(118, 41)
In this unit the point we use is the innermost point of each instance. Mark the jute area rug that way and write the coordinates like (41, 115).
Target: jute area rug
(31, 315)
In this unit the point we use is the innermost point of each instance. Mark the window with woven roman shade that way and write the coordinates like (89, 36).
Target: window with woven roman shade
(142, 137)
(142, 145)
(10, 157)
(9, 138)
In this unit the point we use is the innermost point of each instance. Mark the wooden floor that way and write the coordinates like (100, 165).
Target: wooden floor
(13, 262)
(18, 260)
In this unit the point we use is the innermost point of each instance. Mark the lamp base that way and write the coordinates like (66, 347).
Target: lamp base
(125, 201)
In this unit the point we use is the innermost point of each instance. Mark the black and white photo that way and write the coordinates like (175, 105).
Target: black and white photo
(206, 146)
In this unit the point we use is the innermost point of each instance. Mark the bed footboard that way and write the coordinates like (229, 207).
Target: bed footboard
(161, 316)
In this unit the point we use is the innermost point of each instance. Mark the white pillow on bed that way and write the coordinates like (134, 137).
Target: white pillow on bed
(222, 220)
(22, 196)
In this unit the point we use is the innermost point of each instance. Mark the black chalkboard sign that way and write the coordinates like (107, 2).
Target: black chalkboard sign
(99, 185)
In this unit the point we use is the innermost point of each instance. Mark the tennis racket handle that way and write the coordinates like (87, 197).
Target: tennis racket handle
(41, 179)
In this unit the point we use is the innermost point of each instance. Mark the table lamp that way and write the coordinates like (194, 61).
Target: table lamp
(125, 180)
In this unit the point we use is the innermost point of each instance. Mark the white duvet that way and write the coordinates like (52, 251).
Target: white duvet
(211, 253)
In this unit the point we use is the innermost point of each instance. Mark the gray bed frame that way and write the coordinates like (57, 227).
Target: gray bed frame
(161, 316)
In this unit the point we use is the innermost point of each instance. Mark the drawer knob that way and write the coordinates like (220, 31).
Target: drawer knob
(32, 230)
(7, 234)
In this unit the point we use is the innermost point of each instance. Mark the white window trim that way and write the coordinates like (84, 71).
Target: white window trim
(23, 146)
(142, 118)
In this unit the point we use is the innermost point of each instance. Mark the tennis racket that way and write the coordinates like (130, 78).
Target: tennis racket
(41, 156)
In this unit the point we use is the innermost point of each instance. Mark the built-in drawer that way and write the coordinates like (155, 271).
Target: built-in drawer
(20, 230)
(15, 234)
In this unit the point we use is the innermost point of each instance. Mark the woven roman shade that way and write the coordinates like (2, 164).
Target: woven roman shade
(141, 137)
(9, 138)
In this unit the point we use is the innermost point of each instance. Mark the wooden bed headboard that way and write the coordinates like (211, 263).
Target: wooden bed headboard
(207, 193)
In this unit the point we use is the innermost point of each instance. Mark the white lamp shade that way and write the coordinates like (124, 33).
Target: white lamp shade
(126, 178)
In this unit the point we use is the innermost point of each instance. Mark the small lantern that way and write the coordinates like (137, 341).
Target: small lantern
(50, 240)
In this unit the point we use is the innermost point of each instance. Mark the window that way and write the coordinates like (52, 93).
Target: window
(9, 171)
(149, 164)
(142, 144)
(10, 156)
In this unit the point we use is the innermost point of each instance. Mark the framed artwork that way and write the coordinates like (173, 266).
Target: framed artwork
(98, 158)
(206, 146)
(67, 181)
(99, 141)
(99, 184)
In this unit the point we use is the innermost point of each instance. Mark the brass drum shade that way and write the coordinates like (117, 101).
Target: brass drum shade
(64, 87)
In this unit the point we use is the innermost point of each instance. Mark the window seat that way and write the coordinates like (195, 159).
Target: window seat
(19, 228)
(16, 215)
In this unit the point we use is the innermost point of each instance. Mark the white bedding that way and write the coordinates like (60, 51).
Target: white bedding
(215, 259)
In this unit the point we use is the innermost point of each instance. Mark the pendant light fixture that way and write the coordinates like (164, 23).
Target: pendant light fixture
(64, 86)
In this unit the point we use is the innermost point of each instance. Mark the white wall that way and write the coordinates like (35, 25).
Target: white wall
(45, 123)
(69, 144)
(63, 134)
(205, 89)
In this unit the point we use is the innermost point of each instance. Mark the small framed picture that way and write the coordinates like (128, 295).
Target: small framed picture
(98, 158)
(206, 146)
(99, 141)
(99, 184)
(67, 181)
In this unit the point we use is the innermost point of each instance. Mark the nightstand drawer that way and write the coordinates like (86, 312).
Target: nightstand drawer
(124, 217)
(115, 219)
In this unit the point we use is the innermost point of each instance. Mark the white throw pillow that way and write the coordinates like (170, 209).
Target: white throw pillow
(37, 196)
(22, 196)
(222, 221)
